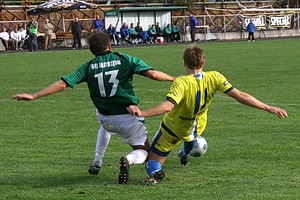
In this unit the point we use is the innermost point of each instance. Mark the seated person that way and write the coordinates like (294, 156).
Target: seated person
(15, 36)
(152, 34)
(4, 36)
(111, 31)
(138, 28)
(24, 35)
(145, 37)
(175, 32)
(134, 36)
(125, 33)
(159, 33)
(168, 33)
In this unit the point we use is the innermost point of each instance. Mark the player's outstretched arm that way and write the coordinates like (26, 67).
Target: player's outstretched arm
(158, 75)
(55, 87)
(162, 108)
(249, 100)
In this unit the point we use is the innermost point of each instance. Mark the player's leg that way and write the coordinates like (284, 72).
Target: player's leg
(137, 156)
(198, 128)
(134, 133)
(185, 153)
(154, 169)
(103, 139)
(162, 145)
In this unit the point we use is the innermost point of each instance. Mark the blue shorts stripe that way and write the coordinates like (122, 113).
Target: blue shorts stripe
(158, 152)
(155, 150)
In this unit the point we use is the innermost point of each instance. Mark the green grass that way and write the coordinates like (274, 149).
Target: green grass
(47, 145)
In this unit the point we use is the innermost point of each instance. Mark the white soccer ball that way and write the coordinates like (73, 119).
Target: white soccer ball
(200, 147)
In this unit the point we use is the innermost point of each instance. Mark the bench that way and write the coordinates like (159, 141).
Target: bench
(61, 38)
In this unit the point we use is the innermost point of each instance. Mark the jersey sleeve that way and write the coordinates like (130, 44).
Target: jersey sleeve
(137, 65)
(77, 76)
(223, 84)
(176, 92)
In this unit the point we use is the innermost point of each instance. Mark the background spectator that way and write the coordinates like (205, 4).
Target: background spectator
(251, 29)
(159, 32)
(4, 36)
(134, 36)
(33, 30)
(48, 33)
(193, 24)
(76, 31)
(145, 37)
(175, 32)
(168, 33)
(138, 28)
(24, 35)
(152, 34)
(16, 37)
(125, 33)
(111, 31)
(98, 23)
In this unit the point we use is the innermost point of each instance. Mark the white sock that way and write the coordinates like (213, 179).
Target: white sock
(103, 139)
(137, 156)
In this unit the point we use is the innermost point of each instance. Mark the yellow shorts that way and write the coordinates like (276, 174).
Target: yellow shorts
(165, 140)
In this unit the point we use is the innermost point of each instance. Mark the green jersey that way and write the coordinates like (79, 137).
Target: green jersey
(167, 30)
(109, 78)
(175, 29)
(33, 27)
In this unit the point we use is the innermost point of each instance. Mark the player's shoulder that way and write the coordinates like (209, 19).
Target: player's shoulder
(213, 74)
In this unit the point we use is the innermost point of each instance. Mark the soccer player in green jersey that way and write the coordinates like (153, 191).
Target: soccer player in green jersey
(109, 78)
(186, 109)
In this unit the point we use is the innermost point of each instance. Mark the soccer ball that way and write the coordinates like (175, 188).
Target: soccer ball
(200, 147)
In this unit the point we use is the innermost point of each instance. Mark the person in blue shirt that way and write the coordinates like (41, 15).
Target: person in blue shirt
(125, 33)
(251, 29)
(98, 24)
(193, 23)
(111, 31)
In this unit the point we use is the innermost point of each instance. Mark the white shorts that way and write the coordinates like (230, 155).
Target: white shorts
(131, 128)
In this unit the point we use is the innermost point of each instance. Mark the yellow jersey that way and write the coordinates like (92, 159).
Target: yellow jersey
(192, 95)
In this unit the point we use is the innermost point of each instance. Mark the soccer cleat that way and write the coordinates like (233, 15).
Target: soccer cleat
(124, 171)
(154, 179)
(94, 169)
(183, 158)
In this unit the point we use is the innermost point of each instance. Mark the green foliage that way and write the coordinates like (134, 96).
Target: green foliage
(47, 145)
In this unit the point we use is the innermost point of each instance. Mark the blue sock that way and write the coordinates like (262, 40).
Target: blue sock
(188, 146)
(152, 166)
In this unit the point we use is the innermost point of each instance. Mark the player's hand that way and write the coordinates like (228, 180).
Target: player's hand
(281, 113)
(23, 96)
(134, 110)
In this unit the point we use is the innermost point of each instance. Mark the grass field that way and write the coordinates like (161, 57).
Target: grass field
(47, 145)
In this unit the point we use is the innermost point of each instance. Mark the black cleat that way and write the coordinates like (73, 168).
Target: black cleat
(124, 171)
(183, 159)
(154, 179)
(94, 169)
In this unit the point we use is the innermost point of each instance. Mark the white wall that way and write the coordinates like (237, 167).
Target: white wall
(146, 19)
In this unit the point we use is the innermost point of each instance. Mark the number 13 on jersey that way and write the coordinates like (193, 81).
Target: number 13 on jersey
(112, 79)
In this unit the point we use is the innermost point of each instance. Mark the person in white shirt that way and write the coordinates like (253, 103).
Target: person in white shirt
(4, 36)
(16, 37)
(24, 35)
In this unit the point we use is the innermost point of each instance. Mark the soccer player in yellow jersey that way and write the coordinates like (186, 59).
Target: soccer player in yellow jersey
(186, 109)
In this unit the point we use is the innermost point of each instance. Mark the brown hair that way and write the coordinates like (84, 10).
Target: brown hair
(98, 42)
(194, 57)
